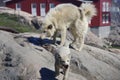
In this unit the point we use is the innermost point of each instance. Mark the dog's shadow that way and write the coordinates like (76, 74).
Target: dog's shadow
(47, 74)
(39, 42)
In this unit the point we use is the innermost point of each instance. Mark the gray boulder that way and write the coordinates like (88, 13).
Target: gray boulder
(114, 36)
(21, 59)
(90, 39)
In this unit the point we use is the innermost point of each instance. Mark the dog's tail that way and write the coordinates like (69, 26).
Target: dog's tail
(88, 10)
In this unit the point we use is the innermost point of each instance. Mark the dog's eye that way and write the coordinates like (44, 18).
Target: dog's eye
(49, 27)
(68, 60)
(62, 61)
(44, 31)
(59, 57)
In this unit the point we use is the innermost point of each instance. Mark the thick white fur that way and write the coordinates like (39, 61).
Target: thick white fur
(62, 61)
(69, 16)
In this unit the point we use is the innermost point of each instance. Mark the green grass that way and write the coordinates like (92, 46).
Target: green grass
(117, 47)
(9, 20)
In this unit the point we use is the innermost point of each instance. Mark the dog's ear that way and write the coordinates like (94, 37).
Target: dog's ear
(50, 27)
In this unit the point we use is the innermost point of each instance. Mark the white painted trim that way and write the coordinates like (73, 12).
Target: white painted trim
(19, 9)
(85, 1)
(6, 1)
(34, 10)
(50, 5)
(42, 10)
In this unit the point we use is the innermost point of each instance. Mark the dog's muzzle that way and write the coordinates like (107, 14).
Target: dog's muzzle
(65, 66)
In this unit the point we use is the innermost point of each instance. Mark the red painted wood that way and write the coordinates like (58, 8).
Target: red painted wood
(95, 22)
(26, 6)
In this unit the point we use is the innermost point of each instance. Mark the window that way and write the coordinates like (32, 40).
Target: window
(42, 9)
(34, 5)
(34, 9)
(115, 1)
(103, 6)
(52, 5)
(42, 5)
(107, 7)
(105, 18)
(18, 6)
(118, 9)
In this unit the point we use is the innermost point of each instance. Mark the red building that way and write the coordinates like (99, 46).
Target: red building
(100, 24)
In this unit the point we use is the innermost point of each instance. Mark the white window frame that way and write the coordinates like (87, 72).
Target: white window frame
(103, 19)
(107, 6)
(34, 9)
(51, 5)
(107, 18)
(104, 6)
(43, 9)
(18, 6)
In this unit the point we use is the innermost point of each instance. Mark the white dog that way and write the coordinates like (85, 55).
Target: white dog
(62, 61)
(69, 16)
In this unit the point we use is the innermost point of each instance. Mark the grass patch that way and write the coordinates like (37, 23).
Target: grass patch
(117, 47)
(13, 21)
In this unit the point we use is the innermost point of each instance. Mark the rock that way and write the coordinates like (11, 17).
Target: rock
(114, 36)
(96, 64)
(24, 17)
(93, 40)
(9, 29)
(90, 39)
(114, 50)
(23, 60)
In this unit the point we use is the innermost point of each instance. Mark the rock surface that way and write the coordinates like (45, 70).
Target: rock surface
(93, 40)
(25, 18)
(23, 58)
(114, 36)
(90, 39)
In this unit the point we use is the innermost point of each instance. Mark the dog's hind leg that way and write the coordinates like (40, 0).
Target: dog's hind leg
(78, 32)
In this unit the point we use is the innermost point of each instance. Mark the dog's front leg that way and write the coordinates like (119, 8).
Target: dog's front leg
(57, 68)
(54, 37)
(66, 70)
(63, 37)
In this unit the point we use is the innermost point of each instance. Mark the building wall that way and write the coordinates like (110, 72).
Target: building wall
(2, 3)
(96, 19)
(98, 26)
(104, 31)
(105, 12)
(101, 31)
(95, 30)
(10, 4)
(26, 4)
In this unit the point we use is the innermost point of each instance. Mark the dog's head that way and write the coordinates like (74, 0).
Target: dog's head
(63, 55)
(47, 29)
(65, 61)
